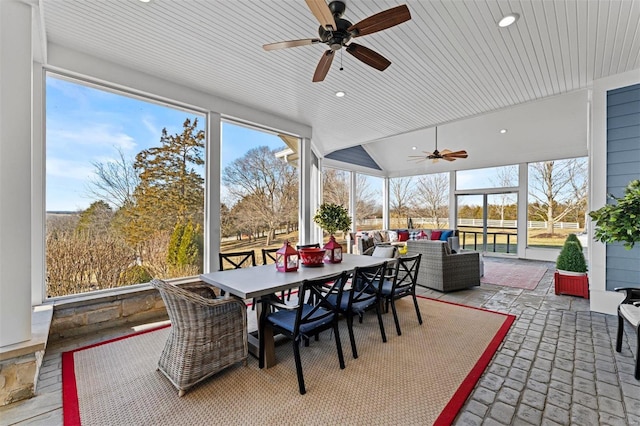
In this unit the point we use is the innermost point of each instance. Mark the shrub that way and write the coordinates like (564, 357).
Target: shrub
(571, 258)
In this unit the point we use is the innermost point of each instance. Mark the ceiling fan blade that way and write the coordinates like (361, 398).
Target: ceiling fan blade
(323, 66)
(323, 14)
(380, 21)
(445, 151)
(291, 43)
(368, 56)
(458, 154)
(447, 158)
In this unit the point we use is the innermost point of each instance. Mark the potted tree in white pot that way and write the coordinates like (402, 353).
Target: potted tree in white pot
(332, 217)
(571, 269)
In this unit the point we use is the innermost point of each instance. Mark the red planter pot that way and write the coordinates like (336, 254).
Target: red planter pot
(573, 285)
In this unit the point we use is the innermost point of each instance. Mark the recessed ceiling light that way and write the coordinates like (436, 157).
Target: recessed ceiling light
(509, 19)
(414, 148)
(145, 1)
(503, 131)
(340, 94)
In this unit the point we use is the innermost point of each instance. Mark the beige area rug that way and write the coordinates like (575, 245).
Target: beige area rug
(519, 276)
(421, 377)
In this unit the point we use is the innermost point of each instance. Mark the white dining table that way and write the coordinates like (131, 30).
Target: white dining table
(259, 281)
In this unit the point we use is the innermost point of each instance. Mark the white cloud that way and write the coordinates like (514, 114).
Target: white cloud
(62, 168)
(98, 135)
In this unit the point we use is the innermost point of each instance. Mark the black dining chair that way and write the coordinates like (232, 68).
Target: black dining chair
(401, 284)
(364, 294)
(311, 315)
(237, 260)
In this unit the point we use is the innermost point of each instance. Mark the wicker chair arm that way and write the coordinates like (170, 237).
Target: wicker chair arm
(461, 258)
(632, 294)
(192, 293)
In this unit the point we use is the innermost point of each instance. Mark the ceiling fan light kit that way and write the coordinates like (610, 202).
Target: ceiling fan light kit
(336, 32)
(436, 155)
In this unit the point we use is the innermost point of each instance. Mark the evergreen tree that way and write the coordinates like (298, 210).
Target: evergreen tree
(96, 219)
(171, 188)
(188, 250)
(175, 243)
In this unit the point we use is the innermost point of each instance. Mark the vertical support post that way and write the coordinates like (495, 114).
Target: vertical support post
(15, 171)
(212, 232)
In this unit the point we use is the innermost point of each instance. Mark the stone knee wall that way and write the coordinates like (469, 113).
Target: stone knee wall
(18, 376)
(93, 313)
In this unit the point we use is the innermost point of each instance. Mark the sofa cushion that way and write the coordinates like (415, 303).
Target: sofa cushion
(425, 234)
(435, 235)
(393, 236)
(445, 235)
(403, 235)
(384, 251)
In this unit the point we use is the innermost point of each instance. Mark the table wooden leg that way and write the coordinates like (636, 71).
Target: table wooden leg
(269, 344)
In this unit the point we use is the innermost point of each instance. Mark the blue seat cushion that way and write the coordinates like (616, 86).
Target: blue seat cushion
(356, 306)
(286, 319)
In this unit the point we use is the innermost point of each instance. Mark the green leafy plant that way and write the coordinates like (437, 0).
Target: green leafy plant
(571, 257)
(620, 221)
(332, 217)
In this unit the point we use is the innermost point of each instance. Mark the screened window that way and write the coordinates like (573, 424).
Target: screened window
(124, 188)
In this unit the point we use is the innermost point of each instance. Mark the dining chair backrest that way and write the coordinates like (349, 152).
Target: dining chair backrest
(314, 294)
(237, 260)
(366, 284)
(303, 246)
(269, 255)
(406, 274)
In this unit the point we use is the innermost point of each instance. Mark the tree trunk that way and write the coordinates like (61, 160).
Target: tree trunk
(550, 219)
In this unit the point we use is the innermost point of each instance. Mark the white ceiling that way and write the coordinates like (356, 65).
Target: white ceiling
(449, 62)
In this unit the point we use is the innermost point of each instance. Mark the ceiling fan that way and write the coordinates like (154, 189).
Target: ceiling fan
(437, 155)
(336, 32)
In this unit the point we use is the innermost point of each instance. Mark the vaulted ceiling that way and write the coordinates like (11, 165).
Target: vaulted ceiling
(450, 62)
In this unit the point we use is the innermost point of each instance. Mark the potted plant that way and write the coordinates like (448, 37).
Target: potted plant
(571, 269)
(620, 221)
(332, 217)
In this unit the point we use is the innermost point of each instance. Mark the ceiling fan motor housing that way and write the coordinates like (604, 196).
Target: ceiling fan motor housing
(338, 38)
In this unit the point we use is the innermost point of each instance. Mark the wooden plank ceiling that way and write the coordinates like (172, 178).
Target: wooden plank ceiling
(449, 62)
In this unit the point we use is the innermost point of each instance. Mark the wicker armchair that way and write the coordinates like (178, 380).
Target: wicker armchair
(207, 333)
(443, 271)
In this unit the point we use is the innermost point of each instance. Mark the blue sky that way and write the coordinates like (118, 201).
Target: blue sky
(87, 125)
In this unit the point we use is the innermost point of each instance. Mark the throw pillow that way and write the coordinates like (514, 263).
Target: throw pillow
(377, 237)
(445, 235)
(423, 235)
(435, 235)
(447, 249)
(393, 236)
(403, 235)
(414, 235)
(383, 251)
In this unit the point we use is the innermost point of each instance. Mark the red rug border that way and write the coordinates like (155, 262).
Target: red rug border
(451, 410)
(71, 406)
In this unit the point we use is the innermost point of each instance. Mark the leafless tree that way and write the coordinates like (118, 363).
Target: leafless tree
(557, 189)
(270, 182)
(335, 187)
(505, 177)
(114, 181)
(433, 195)
(368, 200)
(402, 194)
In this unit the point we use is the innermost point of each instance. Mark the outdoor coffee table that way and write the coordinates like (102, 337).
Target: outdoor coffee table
(259, 281)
